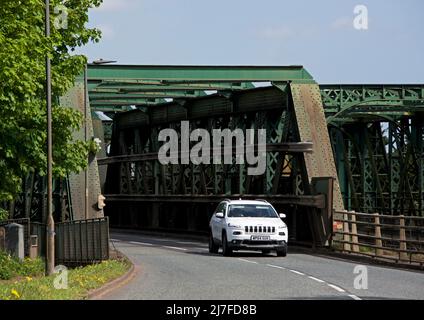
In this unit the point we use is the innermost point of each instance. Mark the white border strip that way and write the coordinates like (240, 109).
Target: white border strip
(335, 287)
(176, 248)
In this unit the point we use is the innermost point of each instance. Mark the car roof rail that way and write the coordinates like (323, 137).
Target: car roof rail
(262, 200)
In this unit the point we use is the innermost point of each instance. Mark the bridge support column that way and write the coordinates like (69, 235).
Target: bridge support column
(312, 127)
(75, 98)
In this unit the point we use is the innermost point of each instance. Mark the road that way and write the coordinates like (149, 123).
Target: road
(178, 269)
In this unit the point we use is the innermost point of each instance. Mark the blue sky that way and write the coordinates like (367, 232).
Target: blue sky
(316, 34)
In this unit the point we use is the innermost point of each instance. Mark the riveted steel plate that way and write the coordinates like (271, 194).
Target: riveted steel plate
(75, 99)
(312, 127)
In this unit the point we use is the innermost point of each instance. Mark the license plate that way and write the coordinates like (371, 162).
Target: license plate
(259, 238)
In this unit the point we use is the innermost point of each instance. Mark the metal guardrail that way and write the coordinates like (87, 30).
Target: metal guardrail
(77, 242)
(396, 238)
(82, 241)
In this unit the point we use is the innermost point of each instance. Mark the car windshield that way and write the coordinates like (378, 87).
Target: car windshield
(251, 211)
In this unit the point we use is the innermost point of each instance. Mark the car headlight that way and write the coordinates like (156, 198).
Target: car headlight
(232, 225)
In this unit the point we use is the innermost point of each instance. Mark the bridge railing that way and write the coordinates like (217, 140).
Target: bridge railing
(398, 239)
(77, 242)
(82, 241)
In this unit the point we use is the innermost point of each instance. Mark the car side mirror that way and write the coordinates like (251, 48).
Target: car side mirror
(282, 215)
(219, 215)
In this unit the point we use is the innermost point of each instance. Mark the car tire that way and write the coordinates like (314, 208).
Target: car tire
(282, 252)
(226, 251)
(213, 247)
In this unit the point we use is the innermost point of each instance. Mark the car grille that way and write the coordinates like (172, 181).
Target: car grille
(259, 229)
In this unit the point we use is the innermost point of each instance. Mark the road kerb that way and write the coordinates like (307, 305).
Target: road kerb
(114, 284)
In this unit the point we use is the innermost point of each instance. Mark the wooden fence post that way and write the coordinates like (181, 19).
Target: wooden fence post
(377, 234)
(346, 236)
(355, 246)
(402, 238)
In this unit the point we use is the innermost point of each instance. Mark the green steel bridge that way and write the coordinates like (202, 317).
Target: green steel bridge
(329, 147)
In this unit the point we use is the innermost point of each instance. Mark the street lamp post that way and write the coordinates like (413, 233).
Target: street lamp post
(85, 139)
(50, 222)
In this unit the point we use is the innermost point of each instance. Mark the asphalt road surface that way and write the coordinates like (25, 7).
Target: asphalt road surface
(178, 269)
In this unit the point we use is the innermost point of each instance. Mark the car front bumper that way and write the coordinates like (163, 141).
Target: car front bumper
(236, 244)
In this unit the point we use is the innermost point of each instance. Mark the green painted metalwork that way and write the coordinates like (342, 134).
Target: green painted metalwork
(123, 104)
(133, 97)
(376, 130)
(342, 103)
(347, 102)
(383, 166)
(190, 74)
(118, 86)
(141, 86)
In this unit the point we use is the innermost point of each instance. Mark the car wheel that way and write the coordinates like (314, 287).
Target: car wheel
(226, 251)
(213, 247)
(282, 252)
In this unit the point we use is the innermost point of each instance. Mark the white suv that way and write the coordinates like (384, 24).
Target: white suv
(247, 225)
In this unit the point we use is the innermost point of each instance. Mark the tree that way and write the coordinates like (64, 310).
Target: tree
(23, 48)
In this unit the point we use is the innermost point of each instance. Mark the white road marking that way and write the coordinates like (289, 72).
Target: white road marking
(354, 297)
(176, 248)
(254, 262)
(313, 278)
(204, 249)
(297, 272)
(187, 242)
(316, 279)
(335, 287)
(273, 266)
(142, 243)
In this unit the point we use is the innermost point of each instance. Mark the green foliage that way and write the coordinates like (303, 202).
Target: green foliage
(23, 48)
(11, 267)
(4, 215)
(94, 146)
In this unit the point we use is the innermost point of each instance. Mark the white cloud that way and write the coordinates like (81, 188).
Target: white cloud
(342, 23)
(116, 5)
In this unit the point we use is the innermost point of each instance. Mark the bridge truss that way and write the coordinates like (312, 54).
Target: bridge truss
(376, 131)
(377, 137)
(368, 137)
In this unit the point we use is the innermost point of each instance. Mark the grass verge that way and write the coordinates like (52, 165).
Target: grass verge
(79, 282)
(11, 267)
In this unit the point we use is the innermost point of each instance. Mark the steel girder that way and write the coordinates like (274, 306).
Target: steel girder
(136, 181)
(32, 203)
(120, 85)
(364, 125)
(377, 142)
(380, 165)
(344, 103)
(196, 74)
(377, 139)
(224, 179)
